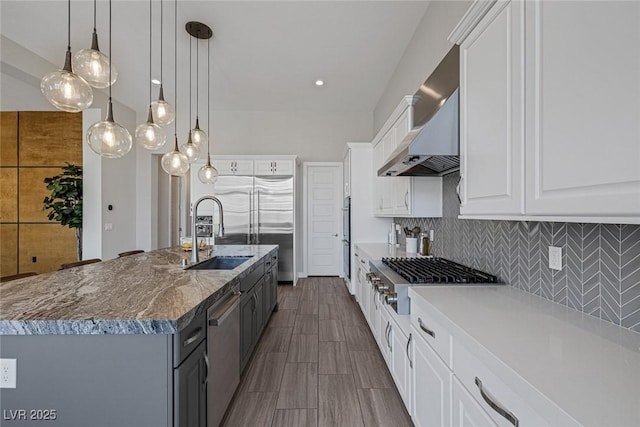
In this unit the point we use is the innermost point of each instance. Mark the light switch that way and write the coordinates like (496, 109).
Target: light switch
(555, 258)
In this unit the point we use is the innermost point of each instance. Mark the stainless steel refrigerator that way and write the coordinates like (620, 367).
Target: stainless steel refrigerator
(259, 210)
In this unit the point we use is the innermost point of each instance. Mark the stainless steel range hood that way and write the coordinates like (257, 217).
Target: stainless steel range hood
(432, 147)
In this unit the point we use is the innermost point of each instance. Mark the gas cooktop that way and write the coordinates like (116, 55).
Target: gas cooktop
(436, 270)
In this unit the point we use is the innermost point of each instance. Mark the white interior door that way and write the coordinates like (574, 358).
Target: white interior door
(323, 226)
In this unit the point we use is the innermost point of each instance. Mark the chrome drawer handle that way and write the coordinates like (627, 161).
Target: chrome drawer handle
(409, 357)
(496, 406)
(194, 337)
(424, 328)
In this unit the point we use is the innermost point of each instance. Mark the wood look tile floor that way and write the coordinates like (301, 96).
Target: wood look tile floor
(317, 364)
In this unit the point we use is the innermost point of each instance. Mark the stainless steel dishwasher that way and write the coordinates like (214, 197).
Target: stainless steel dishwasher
(223, 351)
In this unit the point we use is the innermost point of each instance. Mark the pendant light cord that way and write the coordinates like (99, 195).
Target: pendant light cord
(209, 98)
(69, 24)
(94, 15)
(110, 57)
(175, 68)
(190, 76)
(161, 43)
(197, 77)
(150, 49)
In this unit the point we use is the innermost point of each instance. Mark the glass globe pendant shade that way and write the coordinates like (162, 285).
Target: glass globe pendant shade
(207, 174)
(150, 135)
(190, 150)
(108, 138)
(198, 136)
(66, 90)
(174, 162)
(93, 65)
(163, 112)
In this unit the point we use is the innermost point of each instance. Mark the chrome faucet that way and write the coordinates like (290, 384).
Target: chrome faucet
(194, 244)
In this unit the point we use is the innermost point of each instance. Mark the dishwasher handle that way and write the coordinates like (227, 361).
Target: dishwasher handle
(219, 315)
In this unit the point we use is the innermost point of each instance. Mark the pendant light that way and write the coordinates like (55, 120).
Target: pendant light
(198, 136)
(108, 138)
(207, 174)
(150, 135)
(174, 162)
(93, 65)
(163, 112)
(63, 88)
(189, 149)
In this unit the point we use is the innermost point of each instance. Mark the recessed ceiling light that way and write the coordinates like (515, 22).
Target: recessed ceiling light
(155, 81)
(319, 82)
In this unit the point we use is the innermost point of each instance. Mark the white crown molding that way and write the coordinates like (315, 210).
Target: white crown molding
(472, 16)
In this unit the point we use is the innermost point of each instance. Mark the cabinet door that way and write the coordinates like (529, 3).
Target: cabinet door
(346, 174)
(283, 167)
(378, 191)
(243, 167)
(224, 167)
(401, 365)
(466, 411)
(247, 327)
(374, 314)
(384, 333)
(402, 127)
(402, 195)
(431, 383)
(583, 103)
(190, 381)
(263, 167)
(260, 307)
(491, 113)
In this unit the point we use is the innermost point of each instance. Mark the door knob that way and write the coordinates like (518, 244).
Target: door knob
(335, 235)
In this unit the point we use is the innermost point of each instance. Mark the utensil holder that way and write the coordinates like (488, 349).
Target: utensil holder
(412, 245)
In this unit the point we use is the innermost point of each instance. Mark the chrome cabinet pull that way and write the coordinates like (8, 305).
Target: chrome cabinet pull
(424, 328)
(491, 401)
(389, 338)
(458, 190)
(194, 337)
(406, 200)
(408, 356)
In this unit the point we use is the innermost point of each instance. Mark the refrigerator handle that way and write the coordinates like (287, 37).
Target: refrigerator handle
(249, 222)
(258, 211)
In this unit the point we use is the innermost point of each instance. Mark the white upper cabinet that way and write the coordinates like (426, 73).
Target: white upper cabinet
(550, 106)
(233, 167)
(491, 113)
(274, 167)
(402, 196)
(583, 102)
(346, 174)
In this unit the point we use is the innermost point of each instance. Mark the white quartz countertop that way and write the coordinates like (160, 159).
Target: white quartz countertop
(383, 250)
(587, 367)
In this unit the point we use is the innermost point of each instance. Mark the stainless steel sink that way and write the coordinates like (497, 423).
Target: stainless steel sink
(221, 263)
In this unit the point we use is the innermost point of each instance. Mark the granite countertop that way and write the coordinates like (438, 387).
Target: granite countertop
(147, 293)
(588, 367)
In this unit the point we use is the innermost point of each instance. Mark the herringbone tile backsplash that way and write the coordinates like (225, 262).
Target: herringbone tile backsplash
(601, 274)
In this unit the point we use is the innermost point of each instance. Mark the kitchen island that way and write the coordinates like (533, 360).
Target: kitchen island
(101, 344)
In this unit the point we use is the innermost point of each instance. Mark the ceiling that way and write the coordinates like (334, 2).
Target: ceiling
(266, 55)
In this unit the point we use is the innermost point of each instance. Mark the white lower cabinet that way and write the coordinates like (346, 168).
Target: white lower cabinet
(431, 385)
(467, 412)
(401, 363)
(384, 339)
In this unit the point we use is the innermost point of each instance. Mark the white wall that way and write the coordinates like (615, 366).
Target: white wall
(425, 51)
(20, 75)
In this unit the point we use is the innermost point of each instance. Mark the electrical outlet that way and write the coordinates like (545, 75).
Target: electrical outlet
(108, 226)
(8, 373)
(555, 258)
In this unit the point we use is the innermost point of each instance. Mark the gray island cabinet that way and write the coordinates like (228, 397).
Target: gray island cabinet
(133, 341)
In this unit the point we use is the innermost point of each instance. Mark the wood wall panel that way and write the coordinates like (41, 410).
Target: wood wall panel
(8, 194)
(51, 244)
(50, 138)
(32, 193)
(8, 249)
(8, 138)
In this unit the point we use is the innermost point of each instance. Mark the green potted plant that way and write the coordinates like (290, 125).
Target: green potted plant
(65, 201)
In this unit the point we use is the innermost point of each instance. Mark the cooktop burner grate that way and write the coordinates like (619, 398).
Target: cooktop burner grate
(436, 270)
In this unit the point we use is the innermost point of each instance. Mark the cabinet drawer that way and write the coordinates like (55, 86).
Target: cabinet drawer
(433, 332)
(247, 282)
(505, 403)
(362, 261)
(186, 340)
